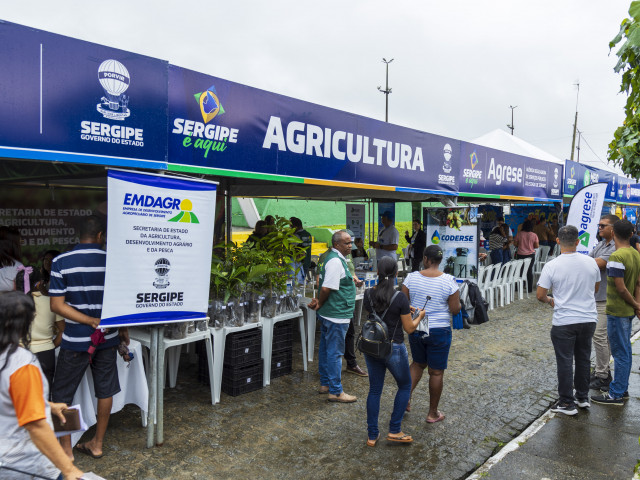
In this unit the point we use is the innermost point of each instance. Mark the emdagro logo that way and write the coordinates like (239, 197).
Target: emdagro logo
(587, 178)
(471, 175)
(210, 105)
(208, 137)
(185, 215)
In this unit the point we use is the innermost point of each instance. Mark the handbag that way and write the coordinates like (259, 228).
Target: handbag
(374, 339)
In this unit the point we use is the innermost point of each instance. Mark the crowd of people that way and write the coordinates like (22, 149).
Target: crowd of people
(55, 306)
(595, 299)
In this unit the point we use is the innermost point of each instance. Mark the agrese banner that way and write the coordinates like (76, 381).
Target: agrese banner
(486, 171)
(158, 250)
(224, 125)
(64, 99)
(578, 175)
(585, 211)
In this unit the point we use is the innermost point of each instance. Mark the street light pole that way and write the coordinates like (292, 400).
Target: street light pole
(386, 91)
(511, 126)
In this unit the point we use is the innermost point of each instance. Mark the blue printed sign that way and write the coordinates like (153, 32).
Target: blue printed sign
(68, 100)
(485, 170)
(578, 175)
(220, 124)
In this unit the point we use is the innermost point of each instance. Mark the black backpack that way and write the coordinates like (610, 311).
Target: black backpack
(374, 339)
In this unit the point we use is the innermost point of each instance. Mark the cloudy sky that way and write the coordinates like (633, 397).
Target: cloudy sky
(457, 67)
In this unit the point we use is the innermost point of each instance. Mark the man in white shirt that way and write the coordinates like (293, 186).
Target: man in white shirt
(574, 278)
(388, 238)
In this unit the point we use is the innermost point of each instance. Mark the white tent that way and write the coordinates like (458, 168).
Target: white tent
(501, 140)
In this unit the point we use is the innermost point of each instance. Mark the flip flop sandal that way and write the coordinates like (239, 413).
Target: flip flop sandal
(84, 449)
(404, 438)
(372, 443)
(439, 419)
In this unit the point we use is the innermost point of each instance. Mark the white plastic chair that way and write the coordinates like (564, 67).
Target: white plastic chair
(489, 285)
(502, 286)
(542, 255)
(511, 279)
(521, 280)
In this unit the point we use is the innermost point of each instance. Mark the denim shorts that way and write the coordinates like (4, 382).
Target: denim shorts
(70, 370)
(432, 350)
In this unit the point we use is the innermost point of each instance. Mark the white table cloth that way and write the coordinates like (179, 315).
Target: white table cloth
(133, 389)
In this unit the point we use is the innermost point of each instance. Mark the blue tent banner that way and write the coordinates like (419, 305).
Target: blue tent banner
(578, 175)
(493, 173)
(64, 99)
(217, 124)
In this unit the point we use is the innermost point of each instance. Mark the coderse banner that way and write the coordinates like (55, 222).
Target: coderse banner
(578, 175)
(485, 170)
(62, 95)
(159, 249)
(585, 211)
(221, 124)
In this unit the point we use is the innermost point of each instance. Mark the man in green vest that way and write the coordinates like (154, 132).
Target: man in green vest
(335, 305)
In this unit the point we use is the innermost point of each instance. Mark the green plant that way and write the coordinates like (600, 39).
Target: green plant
(624, 149)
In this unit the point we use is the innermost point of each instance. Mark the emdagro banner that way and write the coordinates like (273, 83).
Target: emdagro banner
(158, 249)
(584, 213)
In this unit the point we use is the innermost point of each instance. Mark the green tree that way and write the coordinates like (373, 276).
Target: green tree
(624, 149)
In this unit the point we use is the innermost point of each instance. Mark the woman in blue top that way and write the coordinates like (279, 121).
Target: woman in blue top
(397, 317)
(431, 341)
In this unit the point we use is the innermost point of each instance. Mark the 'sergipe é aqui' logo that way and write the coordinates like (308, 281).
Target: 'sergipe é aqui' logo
(208, 137)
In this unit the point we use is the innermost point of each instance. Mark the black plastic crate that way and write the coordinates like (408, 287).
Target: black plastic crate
(242, 378)
(282, 343)
(243, 347)
(282, 328)
(281, 363)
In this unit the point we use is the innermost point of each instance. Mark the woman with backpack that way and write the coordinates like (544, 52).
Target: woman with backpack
(393, 308)
(431, 341)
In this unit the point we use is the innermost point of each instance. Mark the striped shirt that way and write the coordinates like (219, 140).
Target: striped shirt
(78, 276)
(439, 289)
(623, 263)
(496, 241)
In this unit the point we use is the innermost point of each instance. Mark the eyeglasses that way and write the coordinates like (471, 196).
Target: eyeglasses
(602, 225)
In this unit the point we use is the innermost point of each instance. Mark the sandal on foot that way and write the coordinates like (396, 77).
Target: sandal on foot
(372, 443)
(401, 438)
(84, 449)
(439, 419)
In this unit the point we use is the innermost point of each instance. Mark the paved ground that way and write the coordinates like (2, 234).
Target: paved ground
(600, 443)
(501, 377)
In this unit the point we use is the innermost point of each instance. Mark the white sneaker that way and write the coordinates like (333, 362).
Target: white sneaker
(584, 403)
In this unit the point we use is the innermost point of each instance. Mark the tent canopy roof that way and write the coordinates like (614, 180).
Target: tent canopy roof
(501, 140)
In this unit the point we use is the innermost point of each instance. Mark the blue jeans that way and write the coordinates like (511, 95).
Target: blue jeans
(330, 354)
(398, 365)
(619, 331)
(496, 256)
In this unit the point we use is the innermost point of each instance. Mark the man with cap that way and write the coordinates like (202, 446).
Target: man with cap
(335, 305)
(388, 238)
(350, 338)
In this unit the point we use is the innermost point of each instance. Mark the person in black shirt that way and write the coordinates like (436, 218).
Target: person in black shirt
(397, 318)
(417, 244)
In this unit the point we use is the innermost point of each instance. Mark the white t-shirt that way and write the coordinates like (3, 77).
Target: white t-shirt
(439, 289)
(388, 236)
(573, 277)
(333, 273)
(8, 276)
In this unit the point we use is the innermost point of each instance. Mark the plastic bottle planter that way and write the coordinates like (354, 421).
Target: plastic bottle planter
(217, 313)
(235, 313)
(252, 308)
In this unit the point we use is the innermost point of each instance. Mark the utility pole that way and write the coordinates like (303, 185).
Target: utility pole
(578, 147)
(511, 126)
(575, 124)
(386, 91)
